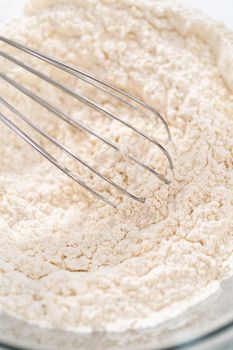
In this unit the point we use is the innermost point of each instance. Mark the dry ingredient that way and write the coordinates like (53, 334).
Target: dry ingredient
(69, 261)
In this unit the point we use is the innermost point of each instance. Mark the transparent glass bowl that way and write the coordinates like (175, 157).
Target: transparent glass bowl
(207, 326)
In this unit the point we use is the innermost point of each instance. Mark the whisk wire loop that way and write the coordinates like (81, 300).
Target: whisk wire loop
(100, 84)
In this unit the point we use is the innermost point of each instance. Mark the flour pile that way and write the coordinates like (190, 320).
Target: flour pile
(69, 261)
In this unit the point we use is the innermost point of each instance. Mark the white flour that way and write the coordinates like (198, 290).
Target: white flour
(69, 261)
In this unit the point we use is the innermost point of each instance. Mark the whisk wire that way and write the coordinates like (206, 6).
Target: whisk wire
(78, 124)
(89, 78)
(68, 152)
(87, 102)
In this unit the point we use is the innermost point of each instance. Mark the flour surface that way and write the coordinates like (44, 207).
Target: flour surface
(70, 261)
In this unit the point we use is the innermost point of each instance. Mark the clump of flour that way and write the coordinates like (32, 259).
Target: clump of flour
(69, 261)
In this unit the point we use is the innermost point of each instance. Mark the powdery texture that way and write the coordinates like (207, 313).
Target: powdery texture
(72, 262)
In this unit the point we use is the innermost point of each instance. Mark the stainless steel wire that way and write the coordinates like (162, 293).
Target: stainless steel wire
(115, 92)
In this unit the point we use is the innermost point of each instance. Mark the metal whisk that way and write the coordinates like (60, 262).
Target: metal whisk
(115, 92)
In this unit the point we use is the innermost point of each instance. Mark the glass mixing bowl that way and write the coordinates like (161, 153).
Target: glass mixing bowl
(209, 325)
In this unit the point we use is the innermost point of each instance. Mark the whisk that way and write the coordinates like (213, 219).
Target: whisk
(115, 92)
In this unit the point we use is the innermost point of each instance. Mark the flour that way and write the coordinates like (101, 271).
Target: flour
(73, 262)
